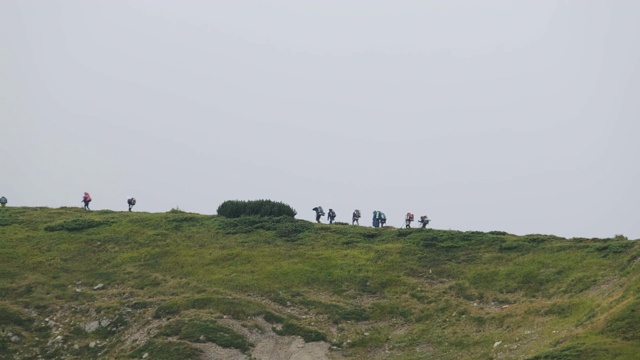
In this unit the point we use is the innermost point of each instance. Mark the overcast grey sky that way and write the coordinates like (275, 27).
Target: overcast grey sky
(520, 116)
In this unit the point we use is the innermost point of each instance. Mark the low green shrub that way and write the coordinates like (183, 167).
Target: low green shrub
(291, 229)
(570, 352)
(626, 324)
(561, 309)
(273, 318)
(238, 208)
(285, 227)
(352, 314)
(9, 317)
(537, 239)
(610, 248)
(76, 224)
(309, 335)
(384, 310)
(236, 308)
(206, 331)
(516, 246)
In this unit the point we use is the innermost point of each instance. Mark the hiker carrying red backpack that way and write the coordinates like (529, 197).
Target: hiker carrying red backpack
(408, 219)
(86, 199)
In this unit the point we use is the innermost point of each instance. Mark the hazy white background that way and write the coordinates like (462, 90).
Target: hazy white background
(520, 116)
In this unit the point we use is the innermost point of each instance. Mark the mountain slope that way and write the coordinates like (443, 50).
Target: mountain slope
(105, 284)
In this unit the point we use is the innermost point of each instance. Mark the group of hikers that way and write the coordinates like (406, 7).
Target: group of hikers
(379, 218)
(86, 199)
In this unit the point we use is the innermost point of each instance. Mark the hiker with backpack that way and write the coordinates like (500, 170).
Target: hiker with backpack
(131, 201)
(331, 216)
(3, 201)
(376, 218)
(408, 219)
(355, 217)
(424, 221)
(319, 213)
(383, 219)
(86, 199)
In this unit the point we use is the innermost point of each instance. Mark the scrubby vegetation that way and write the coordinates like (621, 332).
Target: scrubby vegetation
(103, 284)
(238, 208)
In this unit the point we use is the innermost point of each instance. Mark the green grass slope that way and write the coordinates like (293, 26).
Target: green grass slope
(82, 285)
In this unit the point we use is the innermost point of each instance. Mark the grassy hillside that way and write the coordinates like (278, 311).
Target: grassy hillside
(121, 285)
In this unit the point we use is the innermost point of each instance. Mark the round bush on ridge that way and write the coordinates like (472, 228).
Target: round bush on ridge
(237, 208)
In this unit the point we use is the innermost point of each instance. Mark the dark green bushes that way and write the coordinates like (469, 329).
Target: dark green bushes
(234, 307)
(309, 335)
(76, 224)
(431, 238)
(565, 353)
(238, 208)
(10, 317)
(200, 331)
(626, 324)
(285, 227)
(612, 247)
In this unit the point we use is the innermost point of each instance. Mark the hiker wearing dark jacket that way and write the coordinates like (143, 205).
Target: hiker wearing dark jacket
(355, 217)
(319, 213)
(424, 221)
(383, 219)
(131, 201)
(86, 199)
(331, 216)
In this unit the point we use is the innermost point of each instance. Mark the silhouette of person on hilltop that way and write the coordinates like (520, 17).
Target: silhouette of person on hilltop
(331, 216)
(408, 219)
(86, 199)
(131, 201)
(424, 220)
(355, 218)
(319, 213)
